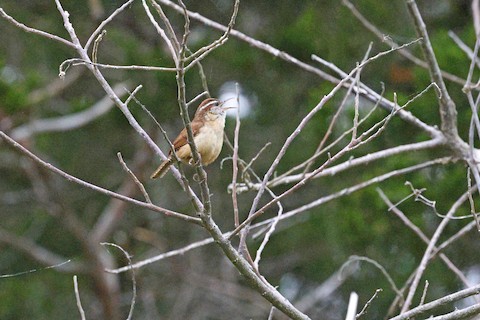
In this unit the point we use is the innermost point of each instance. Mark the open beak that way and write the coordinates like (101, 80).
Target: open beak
(223, 102)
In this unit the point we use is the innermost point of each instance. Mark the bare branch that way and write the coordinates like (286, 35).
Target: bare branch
(21, 273)
(76, 62)
(438, 303)
(161, 32)
(352, 306)
(111, 215)
(171, 33)
(422, 236)
(297, 131)
(270, 231)
(162, 256)
(287, 215)
(134, 177)
(464, 48)
(346, 165)
(466, 313)
(77, 298)
(404, 52)
(105, 22)
(203, 52)
(85, 184)
(235, 161)
(476, 16)
(134, 282)
(347, 191)
(68, 122)
(377, 265)
(424, 294)
(426, 256)
(367, 305)
(35, 31)
(448, 111)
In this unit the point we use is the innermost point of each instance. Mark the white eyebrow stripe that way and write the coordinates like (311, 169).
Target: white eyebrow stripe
(208, 104)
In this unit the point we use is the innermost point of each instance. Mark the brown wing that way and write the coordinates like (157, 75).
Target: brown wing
(181, 140)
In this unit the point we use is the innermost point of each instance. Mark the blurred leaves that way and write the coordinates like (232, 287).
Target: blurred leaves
(311, 246)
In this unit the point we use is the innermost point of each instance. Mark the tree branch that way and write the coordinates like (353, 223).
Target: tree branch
(85, 184)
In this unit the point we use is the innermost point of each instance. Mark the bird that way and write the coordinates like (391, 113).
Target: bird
(207, 126)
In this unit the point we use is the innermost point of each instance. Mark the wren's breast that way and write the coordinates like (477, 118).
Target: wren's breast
(209, 140)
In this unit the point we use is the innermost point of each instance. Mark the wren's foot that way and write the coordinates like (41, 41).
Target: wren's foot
(194, 163)
(196, 177)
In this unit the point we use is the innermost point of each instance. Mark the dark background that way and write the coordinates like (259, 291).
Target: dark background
(306, 250)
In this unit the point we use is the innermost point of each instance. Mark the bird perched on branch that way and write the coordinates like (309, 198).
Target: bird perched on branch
(207, 126)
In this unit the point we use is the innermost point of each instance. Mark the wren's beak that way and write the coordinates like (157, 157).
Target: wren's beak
(223, 102)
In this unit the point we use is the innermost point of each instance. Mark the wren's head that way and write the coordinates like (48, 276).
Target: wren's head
(210, 109)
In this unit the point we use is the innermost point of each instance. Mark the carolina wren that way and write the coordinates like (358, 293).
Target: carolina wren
(207, 126)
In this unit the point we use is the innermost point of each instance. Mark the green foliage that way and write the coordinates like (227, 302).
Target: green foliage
(311, 246)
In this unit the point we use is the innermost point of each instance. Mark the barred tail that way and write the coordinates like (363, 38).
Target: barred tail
(162, 169)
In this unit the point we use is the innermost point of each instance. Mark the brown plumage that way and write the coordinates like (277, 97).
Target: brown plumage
(207, 126)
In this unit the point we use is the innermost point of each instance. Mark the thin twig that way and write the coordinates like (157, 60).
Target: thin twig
(356, 104)
(131, 95)
(271, 313)
(296, 132)
(448, 112)
(96, 44)
(161, 32)
(289, 214)
(96, 188)
(422, 236)
(77, 62)
(40, 254)
(196, 98)
(134, 177)
(309, 162)
(462, 232)
(35, 31)
(394, 287)
(465, 49)
(424, 293)
(77, 298)
(236, 219)
(367, 305)
(438, 303)
(21, 273)
(269, 233)
(426, 256)
(171, 33)
(470, 199)
(254, 158)
(162, 256)
(404, 52)
(105, 22)
(350, 190)
(134, 281)
(366, 92)
(202, 52)
(466, 313)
